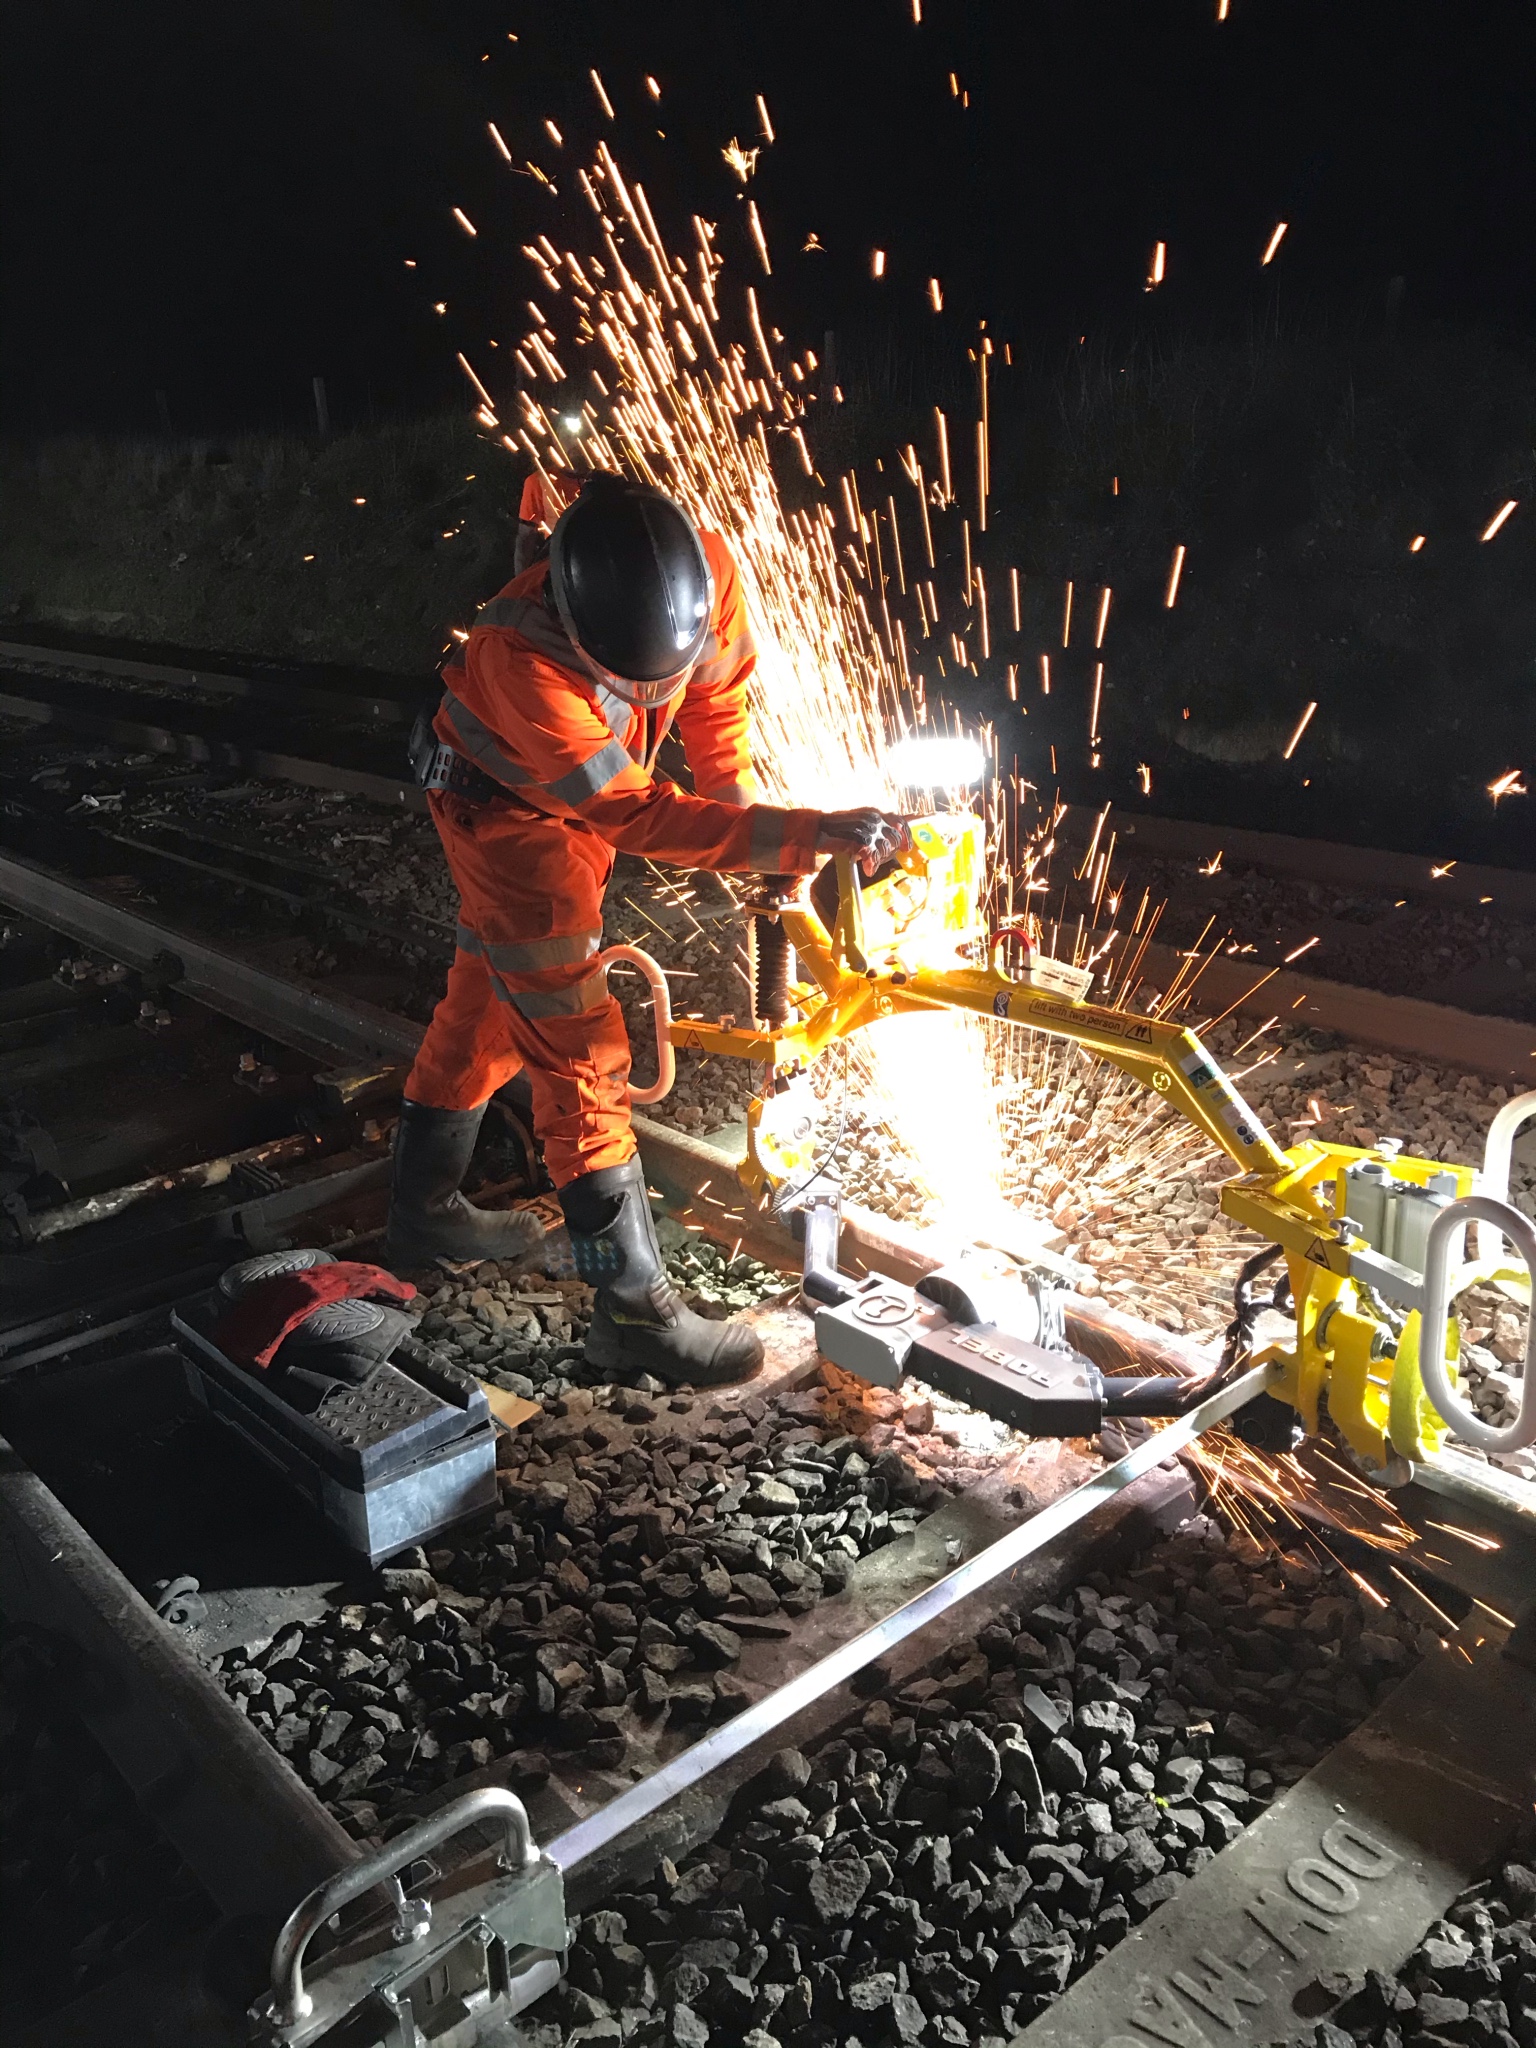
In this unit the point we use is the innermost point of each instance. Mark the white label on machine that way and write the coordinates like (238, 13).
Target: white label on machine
(1058, 977)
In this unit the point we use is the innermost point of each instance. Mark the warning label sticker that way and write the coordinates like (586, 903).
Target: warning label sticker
(1113, 1022)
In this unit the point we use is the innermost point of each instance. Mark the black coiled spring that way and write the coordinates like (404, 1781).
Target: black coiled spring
(770, 978)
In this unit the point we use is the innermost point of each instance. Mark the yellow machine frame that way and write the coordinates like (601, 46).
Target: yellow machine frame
(903, 945)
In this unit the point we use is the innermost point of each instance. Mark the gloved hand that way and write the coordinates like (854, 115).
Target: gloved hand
(875, 836)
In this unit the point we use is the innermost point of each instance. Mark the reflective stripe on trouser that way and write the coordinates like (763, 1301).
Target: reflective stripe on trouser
(521, 992)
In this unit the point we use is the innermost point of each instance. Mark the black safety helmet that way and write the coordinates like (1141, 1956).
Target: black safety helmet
(632, 587)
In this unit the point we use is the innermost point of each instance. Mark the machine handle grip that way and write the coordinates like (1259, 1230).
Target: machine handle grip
(1439, 1250)
(290, 2002)
(1498, 1151)
(661, 1011)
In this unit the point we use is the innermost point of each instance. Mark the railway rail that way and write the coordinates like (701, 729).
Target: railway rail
(203, 1097)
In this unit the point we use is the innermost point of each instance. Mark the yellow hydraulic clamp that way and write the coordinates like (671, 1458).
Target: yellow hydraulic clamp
(1372, 1240)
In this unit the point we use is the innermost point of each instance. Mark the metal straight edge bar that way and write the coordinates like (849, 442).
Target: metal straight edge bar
(1321, 860)
(246, 1824)
(305, 1018)
(285, 687)
(1498, 1046)
(588, 1837)
(190, 746)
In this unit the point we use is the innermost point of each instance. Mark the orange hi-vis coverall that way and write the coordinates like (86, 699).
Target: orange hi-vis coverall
(546, 497)
(573, 762)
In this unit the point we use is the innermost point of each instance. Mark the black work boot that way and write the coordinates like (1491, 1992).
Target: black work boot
(639, 1321)
(428, 1217)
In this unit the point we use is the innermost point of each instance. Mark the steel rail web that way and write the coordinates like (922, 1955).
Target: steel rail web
(283, 685)
(303, 1017)
(234, 755)
(589, 1837)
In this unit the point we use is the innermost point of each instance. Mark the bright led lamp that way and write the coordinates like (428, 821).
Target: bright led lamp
(939, 761)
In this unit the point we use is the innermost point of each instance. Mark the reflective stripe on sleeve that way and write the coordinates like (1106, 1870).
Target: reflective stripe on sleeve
(737, 793)
(554, 1002)
(593, 775)
(465, 939)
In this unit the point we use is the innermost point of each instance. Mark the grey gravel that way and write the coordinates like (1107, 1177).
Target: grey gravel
(1471, 1981)
(615, 1590)
(909, 1881)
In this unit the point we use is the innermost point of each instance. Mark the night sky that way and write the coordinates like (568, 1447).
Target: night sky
(217, 202)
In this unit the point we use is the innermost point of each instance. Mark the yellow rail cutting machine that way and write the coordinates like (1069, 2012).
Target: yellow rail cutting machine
(1372, 1240)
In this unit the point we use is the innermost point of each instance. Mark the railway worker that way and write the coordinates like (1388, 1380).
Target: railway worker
(544, 499)
(548, 731)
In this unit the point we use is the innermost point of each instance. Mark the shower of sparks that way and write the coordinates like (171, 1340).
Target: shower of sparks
(1066, 616)
(1274, 242)
(1144, 774)
(1170, 596)
(1302, 723)
(602, 96)
(464, 221)
(1296, 952)
(1416, 544)
(935, 295)
(764, 125)
(495, 135)
(985, 1120)
(1507, 784)
(1159, 266)
(1499, 518)
(1099, 629)
(1255, 1490)
(877, 263)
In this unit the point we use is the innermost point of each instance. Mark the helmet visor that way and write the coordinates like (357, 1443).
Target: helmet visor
(646, 696)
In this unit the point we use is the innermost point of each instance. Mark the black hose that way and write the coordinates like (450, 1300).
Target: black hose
(1248, 1306)
(1126, 1395)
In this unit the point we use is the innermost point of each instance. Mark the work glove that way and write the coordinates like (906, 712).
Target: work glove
(874, 836)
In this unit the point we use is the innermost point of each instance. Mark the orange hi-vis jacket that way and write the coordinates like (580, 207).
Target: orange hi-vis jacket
(521, 708)
(575, 765)
(546, 497)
